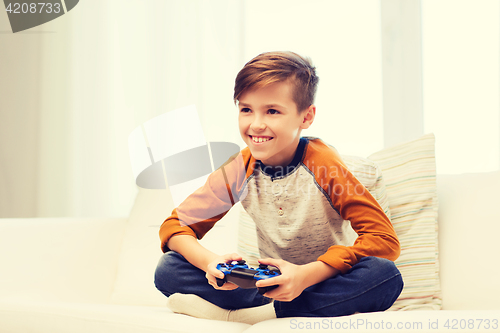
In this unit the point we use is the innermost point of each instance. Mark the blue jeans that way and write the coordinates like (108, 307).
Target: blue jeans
(371, 285)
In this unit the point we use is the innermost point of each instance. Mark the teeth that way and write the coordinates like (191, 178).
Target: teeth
(260, 139)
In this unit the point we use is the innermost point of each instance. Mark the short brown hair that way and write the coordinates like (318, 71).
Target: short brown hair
(270, 67)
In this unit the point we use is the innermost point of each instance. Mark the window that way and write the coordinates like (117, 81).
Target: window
(460, 42)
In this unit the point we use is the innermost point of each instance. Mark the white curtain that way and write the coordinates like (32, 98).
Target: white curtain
(111, 66)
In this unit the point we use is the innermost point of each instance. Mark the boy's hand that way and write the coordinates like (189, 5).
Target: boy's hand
(213, 272)
(292, 280)
(295, 278)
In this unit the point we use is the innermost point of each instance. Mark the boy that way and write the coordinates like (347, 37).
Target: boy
(300, 195)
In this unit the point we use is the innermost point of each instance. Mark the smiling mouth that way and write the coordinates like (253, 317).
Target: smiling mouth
(260, 139)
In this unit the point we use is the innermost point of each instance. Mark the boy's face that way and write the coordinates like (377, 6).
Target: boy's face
(270, 124)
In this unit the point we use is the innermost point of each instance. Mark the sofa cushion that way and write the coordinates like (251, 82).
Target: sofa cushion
(59, 259)
(141, 251)
(407, 186)
(409, 171)
(469, 225)
(60, 317)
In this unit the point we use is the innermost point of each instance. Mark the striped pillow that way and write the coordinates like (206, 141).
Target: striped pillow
(405, 186)
(409, 171)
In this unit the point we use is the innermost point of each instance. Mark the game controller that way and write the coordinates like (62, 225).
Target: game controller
(245, 277)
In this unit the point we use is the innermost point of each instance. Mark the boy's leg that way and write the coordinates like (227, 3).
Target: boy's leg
(174, 274)
(373, 284)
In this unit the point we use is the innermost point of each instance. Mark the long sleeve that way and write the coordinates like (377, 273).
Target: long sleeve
(353, 202)
(198, 213)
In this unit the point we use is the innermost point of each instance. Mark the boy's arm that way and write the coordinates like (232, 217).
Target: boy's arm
(175, 225)
(192, 250)
(202, 258)
(316, 272)
(198, 213)
(376, 235)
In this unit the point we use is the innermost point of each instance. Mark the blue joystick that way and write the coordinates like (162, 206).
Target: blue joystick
(245, 277)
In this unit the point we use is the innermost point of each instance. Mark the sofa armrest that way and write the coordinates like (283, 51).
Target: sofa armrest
(63, 259)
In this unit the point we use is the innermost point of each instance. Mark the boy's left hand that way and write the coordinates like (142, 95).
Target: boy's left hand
(292, 280)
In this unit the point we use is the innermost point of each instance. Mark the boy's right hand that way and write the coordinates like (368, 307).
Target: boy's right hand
(213, 272)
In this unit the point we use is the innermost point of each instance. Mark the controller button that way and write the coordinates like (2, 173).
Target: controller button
(241, 262)
(262, 266)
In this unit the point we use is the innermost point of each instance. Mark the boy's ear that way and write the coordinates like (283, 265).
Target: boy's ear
(308, 116)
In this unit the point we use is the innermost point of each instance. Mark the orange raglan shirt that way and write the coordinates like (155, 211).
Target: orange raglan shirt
(313, 209)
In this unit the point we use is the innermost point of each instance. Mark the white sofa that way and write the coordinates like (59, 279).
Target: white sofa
(94, 275)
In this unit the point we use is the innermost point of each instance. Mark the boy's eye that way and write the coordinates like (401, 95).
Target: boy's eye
(273, 111)
(245, 110)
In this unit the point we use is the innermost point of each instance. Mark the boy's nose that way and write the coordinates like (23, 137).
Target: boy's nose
(258, 125)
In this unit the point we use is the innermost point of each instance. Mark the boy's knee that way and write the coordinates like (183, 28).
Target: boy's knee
(165, 270)
(388, 271)
(383, 270)
(166, 261)
(382, 265)
(386, 278)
